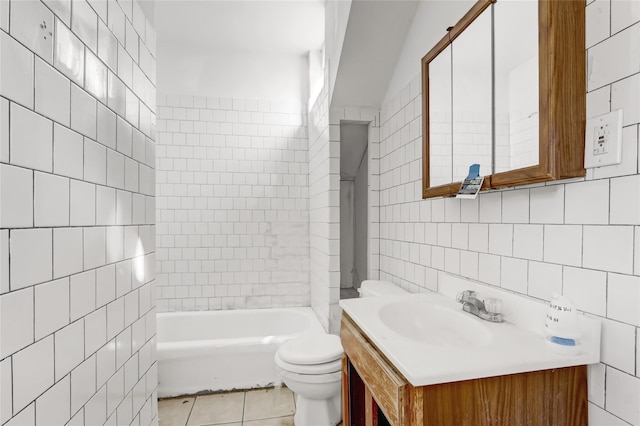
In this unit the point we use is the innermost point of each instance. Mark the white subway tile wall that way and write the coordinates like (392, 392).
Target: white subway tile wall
(232, 202)
(579, 238)
(324, 213)
(67, 303)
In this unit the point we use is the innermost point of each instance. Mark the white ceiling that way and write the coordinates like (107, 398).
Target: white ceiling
(283, 27)
(375, 34)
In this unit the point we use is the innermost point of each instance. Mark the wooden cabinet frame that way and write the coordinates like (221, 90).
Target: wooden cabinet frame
(541, 398)
(562, 100)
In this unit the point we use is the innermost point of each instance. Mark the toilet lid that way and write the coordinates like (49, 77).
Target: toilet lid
(310, 369)
(311, 349)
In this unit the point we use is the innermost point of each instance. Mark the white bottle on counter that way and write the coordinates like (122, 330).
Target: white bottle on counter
(562, 326)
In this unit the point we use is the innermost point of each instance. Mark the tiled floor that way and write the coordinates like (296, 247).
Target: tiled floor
(261, 407)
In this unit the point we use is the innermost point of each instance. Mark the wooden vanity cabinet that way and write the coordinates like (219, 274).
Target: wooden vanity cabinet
(374, 393)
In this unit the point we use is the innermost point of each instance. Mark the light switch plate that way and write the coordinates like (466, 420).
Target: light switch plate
(603, 140)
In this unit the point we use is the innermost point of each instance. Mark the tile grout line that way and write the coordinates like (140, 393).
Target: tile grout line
(191, 410)
(244, 406)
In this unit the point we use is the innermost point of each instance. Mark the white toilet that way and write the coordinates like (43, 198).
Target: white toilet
(372, 288)
(311, 367)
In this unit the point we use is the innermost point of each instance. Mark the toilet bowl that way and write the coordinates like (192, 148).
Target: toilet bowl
(311, 367)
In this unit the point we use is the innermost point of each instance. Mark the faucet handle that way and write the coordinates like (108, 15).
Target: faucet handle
(465, 296)
(493, 305)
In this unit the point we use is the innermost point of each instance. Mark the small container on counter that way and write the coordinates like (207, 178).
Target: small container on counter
(562, 326)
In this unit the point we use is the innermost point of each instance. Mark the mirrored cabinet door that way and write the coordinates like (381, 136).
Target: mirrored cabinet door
(472, 105)
(440, 139)
(516, 87)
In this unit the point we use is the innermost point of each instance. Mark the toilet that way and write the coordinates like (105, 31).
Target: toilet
(311, 366)
(374, 288)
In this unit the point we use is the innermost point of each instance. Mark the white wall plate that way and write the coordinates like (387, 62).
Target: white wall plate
(603, 140)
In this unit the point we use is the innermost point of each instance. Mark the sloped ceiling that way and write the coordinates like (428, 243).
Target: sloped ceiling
(376, 32)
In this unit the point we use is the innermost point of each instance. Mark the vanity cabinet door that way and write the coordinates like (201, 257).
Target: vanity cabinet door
(383, 386)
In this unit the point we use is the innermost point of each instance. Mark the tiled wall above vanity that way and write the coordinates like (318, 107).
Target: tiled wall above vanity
(578, 237)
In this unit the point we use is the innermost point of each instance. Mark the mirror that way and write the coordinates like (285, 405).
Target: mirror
(505, 88)
(440, 138)
(516, 84)
(472, 105)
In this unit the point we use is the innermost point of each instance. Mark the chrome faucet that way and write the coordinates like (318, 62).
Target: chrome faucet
(475, 306)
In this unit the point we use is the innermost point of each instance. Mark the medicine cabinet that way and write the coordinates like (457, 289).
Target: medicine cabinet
(505, 88)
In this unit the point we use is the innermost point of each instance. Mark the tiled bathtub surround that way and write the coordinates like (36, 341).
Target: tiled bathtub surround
(580, 238)
(233, 204)
(77, 213)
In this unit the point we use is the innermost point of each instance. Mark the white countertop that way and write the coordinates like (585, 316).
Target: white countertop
(514, 346)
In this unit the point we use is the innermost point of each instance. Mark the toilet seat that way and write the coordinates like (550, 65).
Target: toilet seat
(312, 350)
(309, 369)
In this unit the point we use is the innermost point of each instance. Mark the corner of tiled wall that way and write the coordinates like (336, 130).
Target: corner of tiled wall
(580, 237)
(373, 230)
(319, 210)
(77, 213)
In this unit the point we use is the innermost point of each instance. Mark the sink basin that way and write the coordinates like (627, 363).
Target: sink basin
(434, 325)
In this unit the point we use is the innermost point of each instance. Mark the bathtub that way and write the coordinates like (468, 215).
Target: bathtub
(209, 351)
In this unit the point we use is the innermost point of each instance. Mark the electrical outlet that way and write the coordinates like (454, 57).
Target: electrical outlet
(603, 140)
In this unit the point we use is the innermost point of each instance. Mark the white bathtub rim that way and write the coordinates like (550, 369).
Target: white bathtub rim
(306, 312)
(167, 350)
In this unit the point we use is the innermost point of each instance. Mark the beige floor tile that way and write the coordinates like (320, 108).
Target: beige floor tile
(175, 411)
(217, 409)
(279, 421)
(268, 403)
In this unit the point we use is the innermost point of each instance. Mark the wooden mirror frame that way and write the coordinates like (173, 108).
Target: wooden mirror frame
(562, 98)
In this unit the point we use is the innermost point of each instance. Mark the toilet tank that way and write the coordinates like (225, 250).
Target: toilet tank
(370, 288)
